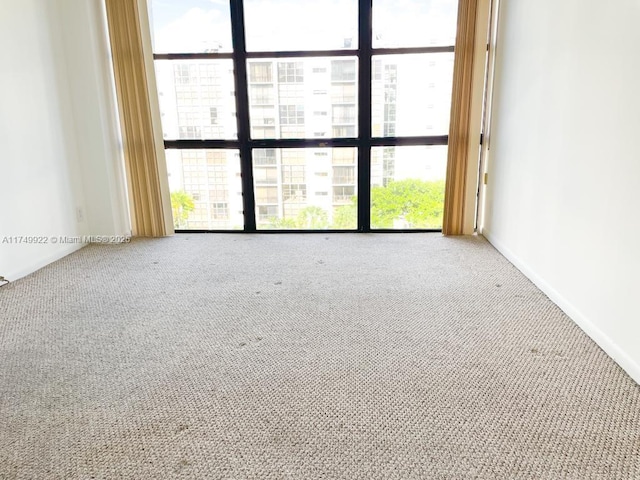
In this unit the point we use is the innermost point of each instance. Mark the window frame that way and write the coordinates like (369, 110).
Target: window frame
(363, 139)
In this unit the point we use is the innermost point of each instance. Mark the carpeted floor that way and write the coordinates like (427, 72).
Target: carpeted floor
(303, 357)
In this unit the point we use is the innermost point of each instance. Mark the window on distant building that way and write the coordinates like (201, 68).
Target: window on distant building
(264, 156)
(267, 212)
(290, 72)
(265, 175)
(297, 192)
(262, 95)
(343, 114)
(260, 72)
(343, 194)
(267, 195)
(343, 93)
(340, 132)
(220, 210)
(293, 173)
(344, 175)
(343, 71)
(292, 114)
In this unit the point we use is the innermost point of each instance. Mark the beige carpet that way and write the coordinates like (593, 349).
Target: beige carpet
(303, 357)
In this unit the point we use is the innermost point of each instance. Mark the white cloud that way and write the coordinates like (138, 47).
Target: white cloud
(195, 31)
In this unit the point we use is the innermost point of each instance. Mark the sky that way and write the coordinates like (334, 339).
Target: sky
(191, 26)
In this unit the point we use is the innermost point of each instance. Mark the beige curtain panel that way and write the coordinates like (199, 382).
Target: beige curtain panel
(457, 162)
(141, 156)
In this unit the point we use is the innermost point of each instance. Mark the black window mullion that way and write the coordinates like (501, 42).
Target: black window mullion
(303, 54)
(242, 112)
(186, 144)
(364, 115)
(410, 50)
(192, 56)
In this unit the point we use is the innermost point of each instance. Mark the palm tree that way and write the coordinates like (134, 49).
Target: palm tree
(181, 205)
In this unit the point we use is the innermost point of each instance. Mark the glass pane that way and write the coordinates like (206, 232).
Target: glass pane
(303, 97)
(280, 25)
(206, 190)
(411, 94)
(414, 23)
(190, 26)
(407, 186)
(306, 188)
(197, 99)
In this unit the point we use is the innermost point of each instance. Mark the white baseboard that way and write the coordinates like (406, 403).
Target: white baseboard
(605, 342)
(38, 263)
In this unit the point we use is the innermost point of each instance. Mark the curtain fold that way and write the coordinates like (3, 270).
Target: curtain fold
(141, 156)
(460, 123)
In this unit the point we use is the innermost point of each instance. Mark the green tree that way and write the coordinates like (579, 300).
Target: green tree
(312, 218)
(276, 223)
(309, 218)
(345, 217)
(419, 203)
(181, 205)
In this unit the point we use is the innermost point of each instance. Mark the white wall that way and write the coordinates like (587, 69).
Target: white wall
(563, 198)
(90, 80)
(58, 133)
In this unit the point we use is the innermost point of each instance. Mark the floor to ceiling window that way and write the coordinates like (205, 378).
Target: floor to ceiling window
(305, 115)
